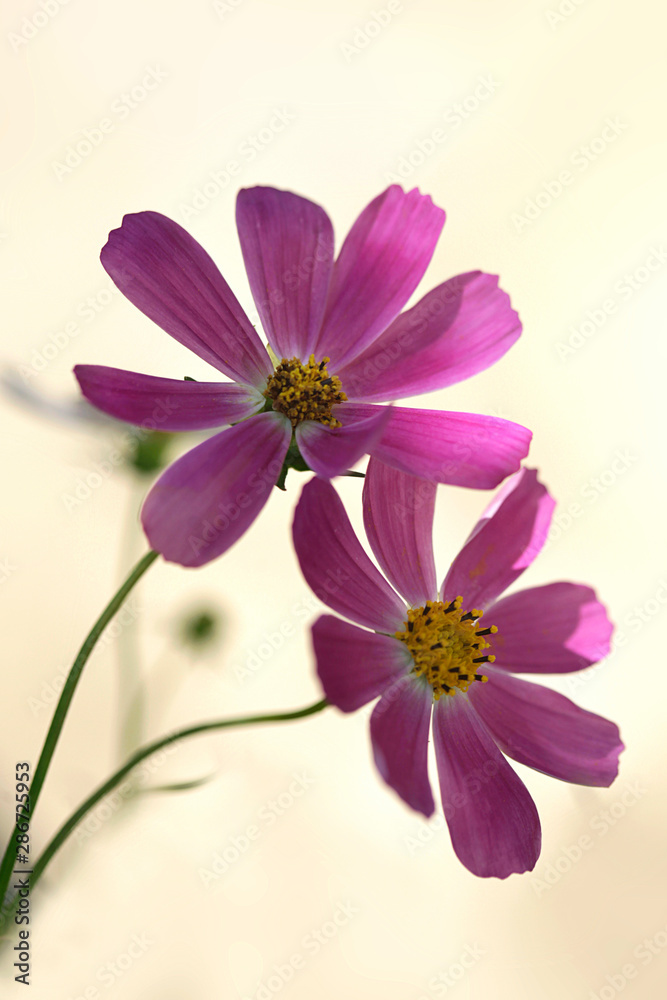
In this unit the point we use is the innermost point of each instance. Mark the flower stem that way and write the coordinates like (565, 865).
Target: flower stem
(131, 693)
(62, 708)
(150, 748)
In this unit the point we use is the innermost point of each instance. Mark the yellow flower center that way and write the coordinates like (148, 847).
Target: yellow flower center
(305, 391)
(447, 646)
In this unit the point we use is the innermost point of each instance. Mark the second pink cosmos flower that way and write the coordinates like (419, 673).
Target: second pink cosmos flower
(344, 347)
(429, 655)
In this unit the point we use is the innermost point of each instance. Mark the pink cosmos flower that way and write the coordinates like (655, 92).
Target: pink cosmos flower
(342, 347)
(428, 654)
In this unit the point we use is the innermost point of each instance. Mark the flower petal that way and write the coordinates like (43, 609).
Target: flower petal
(166, 404)
(335, 565)
(288, 245)
(330, 451)
(553, 629)
(398, 518)
(354, 665)
(546, 731)
(492, 819)
(160, 268)
(462, 449)
(207, 499)
(399, 731)
(460, 328)
(503, 544)
(380, 264)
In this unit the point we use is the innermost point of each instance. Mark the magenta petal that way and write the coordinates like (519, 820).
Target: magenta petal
(170, 277)
(546, 731)
(492, 819)
(399, 731)
(207, 499)
(460, 328)
(380, 264)
(166, 404)
(354, 665)
(553, 629)
(330, 451)
(461, 449)
(335, 565)
(288, 244)
(503, 543)
(398, 518)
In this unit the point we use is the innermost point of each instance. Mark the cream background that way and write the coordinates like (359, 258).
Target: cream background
(347, 839)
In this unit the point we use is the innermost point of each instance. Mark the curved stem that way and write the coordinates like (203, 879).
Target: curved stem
(131, 694)
(62, 708)
(203, 727)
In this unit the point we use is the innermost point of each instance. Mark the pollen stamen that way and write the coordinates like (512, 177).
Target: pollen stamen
(445, 644)
(305, 391)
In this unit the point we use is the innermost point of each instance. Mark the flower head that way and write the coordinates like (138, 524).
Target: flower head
(341, 347)
(452, 654)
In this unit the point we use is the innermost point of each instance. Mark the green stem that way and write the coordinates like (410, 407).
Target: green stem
(131, 694)
(53, 735)
(204, 727)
